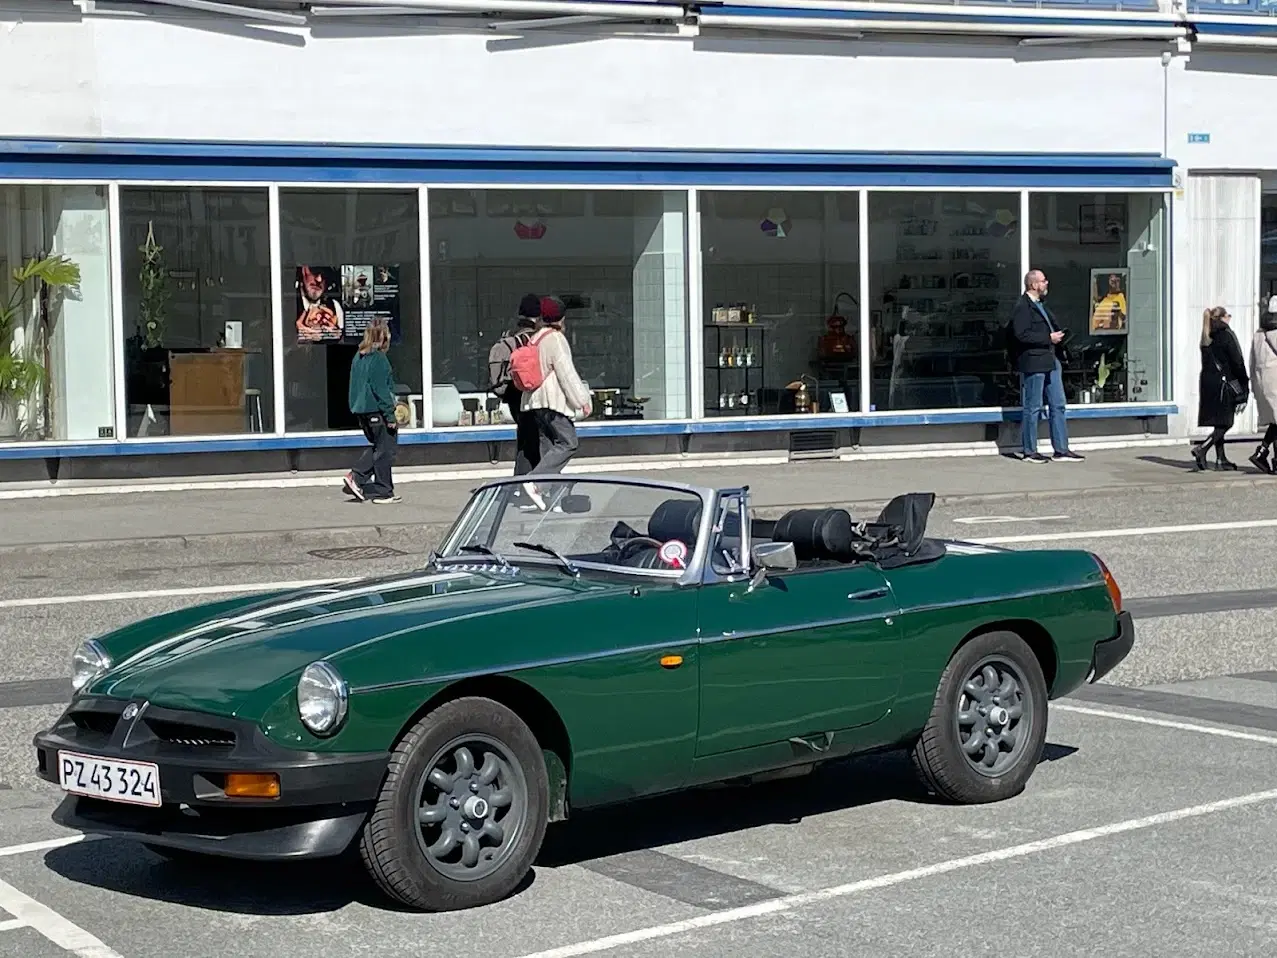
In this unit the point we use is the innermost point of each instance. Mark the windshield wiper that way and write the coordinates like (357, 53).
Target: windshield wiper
(484, 550)
(538, 547)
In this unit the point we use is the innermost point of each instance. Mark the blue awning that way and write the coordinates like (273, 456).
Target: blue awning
(160, 160)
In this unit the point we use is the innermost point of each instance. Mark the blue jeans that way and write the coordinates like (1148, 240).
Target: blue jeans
(1031, 385)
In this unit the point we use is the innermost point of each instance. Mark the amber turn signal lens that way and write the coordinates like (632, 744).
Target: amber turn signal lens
(252, 785)
(671, 661)
(1115, 593)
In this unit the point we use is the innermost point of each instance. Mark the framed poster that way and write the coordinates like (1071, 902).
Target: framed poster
(336, 304)
(1109, 313)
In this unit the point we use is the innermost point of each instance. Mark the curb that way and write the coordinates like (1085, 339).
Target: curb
(421, 536)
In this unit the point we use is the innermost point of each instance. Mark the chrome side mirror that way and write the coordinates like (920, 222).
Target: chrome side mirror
(771, 557)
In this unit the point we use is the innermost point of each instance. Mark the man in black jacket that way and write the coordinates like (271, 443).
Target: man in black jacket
(1036, 338)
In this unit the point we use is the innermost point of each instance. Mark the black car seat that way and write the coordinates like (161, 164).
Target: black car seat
(817, 534)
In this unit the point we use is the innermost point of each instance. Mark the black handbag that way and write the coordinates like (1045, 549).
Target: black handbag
(1231, 390)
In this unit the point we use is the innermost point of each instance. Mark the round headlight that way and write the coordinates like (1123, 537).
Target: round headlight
(87, 663)
(321, 698)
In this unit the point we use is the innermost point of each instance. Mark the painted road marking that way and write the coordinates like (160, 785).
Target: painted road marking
(1128, 533)
(51, 925)
(46, 845)
(169, 593)
(991, 520)
(11, 924)
(451, 475)
(804, 899)
(1166, 723)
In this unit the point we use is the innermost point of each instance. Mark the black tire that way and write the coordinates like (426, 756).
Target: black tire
(389, 845)
(938, 755)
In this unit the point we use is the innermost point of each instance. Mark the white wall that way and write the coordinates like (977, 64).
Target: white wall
(1230, 96)
(146, 78)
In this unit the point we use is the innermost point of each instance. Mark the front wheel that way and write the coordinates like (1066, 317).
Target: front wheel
(988, 724)
(462, 812)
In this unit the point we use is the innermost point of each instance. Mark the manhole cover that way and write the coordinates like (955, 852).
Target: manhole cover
(354, 553)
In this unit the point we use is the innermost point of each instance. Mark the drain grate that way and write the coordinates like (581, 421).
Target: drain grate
(355, 553)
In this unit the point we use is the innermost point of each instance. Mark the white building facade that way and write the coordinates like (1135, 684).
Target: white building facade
(792, 227)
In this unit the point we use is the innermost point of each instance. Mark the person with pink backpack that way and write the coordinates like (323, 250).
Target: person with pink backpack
(553, 393)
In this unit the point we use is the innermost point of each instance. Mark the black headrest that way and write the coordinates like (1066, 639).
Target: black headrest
(817, 533)
(676, 519)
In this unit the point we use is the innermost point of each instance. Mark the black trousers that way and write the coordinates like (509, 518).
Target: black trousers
(527, 442)
(1270, 434)
(372, 471)
(556, 440)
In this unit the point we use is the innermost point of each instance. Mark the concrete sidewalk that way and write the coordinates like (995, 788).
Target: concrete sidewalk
(324, 515)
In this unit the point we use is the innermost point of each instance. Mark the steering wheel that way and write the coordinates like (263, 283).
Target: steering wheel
(625, 546)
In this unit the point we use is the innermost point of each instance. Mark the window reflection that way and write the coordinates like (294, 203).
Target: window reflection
(944, 272)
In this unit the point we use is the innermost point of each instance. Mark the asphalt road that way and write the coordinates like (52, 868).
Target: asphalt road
(1147, 832)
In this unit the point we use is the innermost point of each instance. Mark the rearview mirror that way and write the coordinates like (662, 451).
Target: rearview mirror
(575, 503)
(771, 557)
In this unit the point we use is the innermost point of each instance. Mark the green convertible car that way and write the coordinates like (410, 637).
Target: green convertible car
(620, 638)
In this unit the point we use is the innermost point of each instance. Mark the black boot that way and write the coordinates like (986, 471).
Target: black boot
(1222, 462)
(1199, 456)
(1260, 458)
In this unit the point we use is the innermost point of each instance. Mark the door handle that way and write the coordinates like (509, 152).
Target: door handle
(877, 593)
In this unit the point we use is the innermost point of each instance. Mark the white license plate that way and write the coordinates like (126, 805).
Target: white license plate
(137, 783)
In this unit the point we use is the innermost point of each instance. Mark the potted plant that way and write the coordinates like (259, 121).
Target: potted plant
(22, 374)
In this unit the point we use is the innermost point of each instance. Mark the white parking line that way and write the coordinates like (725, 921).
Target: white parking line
(242, 587)
(43, 846)
(12, 924)
(1165, 723)
(1129, 533)
(803, 899)
(46, 921)
(996, 520)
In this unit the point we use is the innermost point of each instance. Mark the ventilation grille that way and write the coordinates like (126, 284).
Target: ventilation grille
(813, 444)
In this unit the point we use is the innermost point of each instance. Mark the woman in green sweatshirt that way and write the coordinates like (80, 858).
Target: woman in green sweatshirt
(372, 400)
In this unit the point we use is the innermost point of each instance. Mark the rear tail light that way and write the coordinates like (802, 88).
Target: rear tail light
(1115, 593)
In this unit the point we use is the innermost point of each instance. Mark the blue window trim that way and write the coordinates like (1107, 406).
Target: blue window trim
(164, 160)
(955, 15)
(139, 447)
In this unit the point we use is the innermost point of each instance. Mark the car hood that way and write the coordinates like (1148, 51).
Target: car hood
(212, 663)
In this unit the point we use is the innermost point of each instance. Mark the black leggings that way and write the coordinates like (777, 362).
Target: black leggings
(1270, 434)
(1216, 439)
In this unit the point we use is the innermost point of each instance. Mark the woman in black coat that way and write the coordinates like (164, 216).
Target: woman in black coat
(1222, 387)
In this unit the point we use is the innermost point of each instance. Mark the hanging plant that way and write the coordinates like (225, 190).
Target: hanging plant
(155, 294)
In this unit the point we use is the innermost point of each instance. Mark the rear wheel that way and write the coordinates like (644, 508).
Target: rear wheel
(462, 812)
(988, 724)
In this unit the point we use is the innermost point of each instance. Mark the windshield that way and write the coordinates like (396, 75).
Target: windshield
(585, 523)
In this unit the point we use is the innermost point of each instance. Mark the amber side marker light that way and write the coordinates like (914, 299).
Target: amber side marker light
(251, 785)
(671, 661)
(1115, 593)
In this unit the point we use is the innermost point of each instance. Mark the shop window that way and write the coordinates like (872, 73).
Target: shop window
(1102, 255)
(197, 312)
(782, 302)
(56, 370)
(349, 257)
(616, 260)
(944, 273)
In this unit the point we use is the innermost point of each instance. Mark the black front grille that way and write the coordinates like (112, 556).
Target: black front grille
(95, 723)
(194, 736)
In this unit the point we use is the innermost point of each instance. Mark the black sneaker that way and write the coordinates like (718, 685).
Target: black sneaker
(1033, 457)
(1069, 456)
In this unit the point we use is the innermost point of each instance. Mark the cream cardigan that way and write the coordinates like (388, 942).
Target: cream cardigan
(563, 391)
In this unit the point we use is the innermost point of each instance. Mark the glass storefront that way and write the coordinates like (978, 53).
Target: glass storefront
(616, 259)
(197, 311)
(781, 281)
(1102, 255)
(347, 257)
(777, 326)
(56, 369)
(944, 272)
